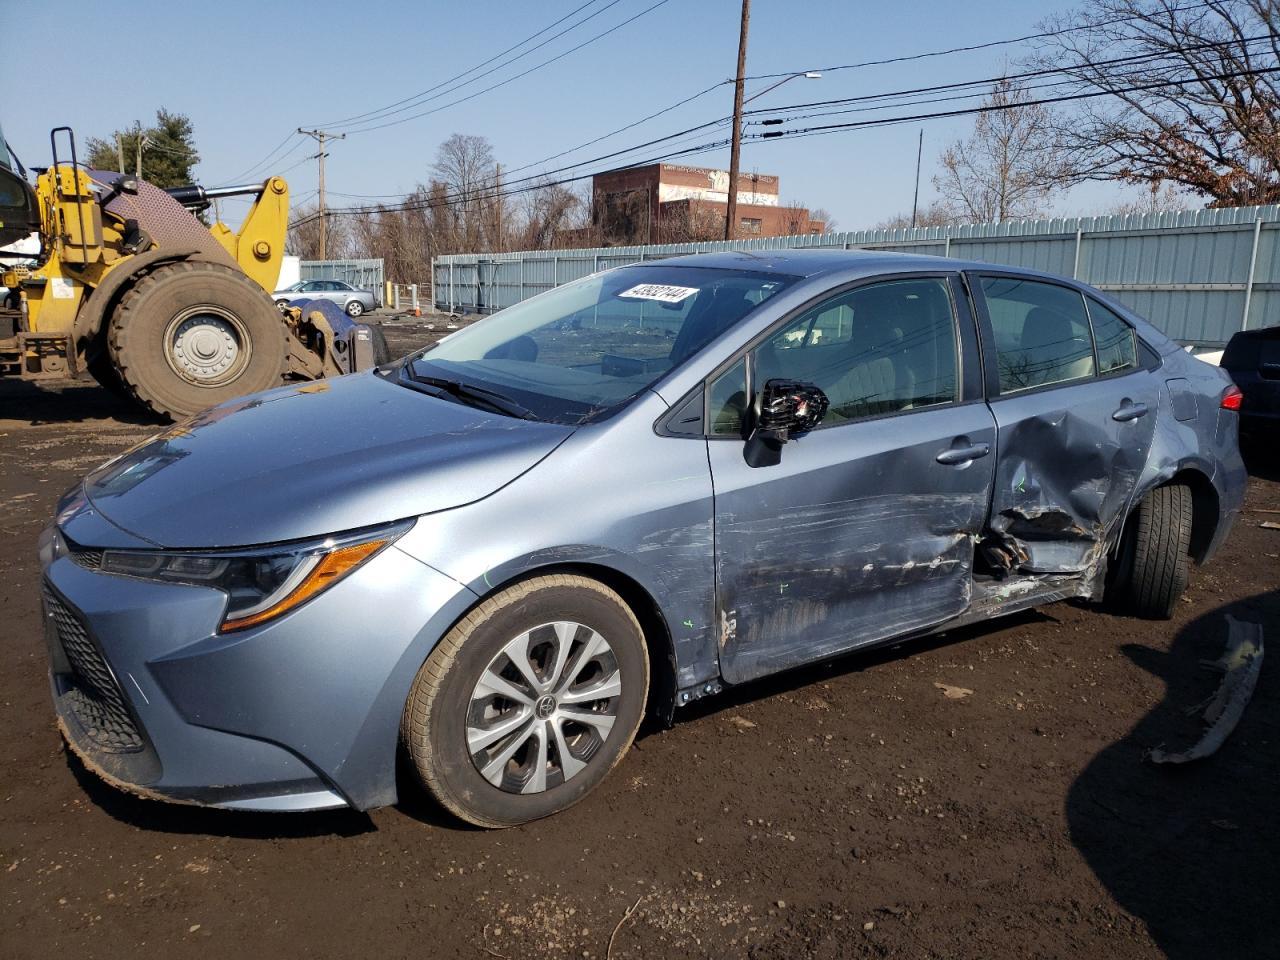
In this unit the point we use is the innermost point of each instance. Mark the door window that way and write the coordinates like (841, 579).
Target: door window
(1041, 333)
(1116, 348)
(877, 349)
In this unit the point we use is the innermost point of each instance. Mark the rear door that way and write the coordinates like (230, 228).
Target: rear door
(1076, 413)
(865, 529)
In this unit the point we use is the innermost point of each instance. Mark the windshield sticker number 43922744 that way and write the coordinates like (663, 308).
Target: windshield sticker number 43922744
(666, 293)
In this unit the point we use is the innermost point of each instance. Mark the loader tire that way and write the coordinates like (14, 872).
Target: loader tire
(103, 370)
(1155, 556)
(192, 335)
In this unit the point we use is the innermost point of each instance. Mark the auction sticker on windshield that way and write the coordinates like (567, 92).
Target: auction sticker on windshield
(659, 291)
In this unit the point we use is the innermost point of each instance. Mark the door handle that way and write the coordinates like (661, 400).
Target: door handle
(1129, 411)
(957, 455)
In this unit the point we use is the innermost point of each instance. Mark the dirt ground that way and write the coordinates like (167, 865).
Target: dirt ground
(851, 809)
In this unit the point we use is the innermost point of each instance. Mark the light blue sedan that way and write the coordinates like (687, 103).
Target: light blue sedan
(495, 556)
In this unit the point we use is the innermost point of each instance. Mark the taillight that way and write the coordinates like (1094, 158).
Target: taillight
(1232, 398)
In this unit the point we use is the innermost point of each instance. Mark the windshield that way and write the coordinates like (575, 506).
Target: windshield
(588, 347)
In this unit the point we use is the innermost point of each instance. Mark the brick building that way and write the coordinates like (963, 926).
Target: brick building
(672, 203)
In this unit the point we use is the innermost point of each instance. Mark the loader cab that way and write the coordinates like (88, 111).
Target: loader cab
(19, 213)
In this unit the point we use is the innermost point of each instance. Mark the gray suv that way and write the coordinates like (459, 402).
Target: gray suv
(631, 492)
(353, 300)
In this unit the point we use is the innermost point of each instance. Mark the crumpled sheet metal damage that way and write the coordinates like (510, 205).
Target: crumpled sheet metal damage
(1240, 664)
(1052, 513)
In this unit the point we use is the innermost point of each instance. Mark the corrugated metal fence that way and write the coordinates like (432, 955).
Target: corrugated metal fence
(1200, 275)
(365, 274)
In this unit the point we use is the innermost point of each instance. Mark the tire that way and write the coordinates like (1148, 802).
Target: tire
(207, 306)
(1155, 558)
(282, 303)
(104, 372)
(355, 309)
(447, 703)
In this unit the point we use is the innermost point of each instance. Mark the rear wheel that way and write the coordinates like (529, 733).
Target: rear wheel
(355, 309)
(192, 335)
(1154, 560)
(529, 702)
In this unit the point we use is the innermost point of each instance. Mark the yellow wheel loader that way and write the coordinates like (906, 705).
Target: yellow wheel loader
(130, 287)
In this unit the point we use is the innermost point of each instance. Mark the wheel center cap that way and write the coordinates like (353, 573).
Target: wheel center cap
(546, 707)
(205, 344)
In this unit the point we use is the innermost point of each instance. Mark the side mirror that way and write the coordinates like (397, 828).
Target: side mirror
(787, 408)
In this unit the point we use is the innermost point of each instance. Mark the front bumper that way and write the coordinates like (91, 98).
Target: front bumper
(300, 714)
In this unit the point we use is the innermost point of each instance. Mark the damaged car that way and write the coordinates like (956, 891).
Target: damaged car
(482, 566)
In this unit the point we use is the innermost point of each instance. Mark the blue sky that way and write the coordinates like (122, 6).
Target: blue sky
(248, 73)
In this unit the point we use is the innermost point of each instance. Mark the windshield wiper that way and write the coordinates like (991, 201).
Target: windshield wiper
(469, 392)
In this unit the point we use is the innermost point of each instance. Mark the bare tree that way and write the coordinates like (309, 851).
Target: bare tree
(303, 237)
(829, 223)
(1188, 105)
(548, 211)
(1007, 168)
(464, 165)
(939, 213)
(691, 221)
(1157, 198)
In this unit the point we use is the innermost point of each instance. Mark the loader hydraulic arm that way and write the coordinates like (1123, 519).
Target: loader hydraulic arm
(258, 247)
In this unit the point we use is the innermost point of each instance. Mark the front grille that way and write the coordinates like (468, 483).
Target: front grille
(90, 689)
(89, 559)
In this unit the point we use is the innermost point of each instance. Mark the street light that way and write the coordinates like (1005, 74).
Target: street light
(807, 74)
(731, 213)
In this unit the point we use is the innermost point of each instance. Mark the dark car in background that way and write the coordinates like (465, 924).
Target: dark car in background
(1252, 358)
(620, 496)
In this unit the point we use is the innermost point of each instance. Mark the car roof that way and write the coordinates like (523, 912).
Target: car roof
(816, 262)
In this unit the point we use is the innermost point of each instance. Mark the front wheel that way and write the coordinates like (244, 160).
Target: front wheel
(529, 701)
(1155, 554)
(191, 335)
(355, 309)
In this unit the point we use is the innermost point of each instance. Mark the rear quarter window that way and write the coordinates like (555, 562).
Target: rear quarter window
(1117, 349)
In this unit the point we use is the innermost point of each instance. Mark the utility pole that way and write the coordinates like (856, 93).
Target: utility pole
(915, 202)
(143, 140)
(735, 150)
(120, 152)
(320, 137)
(497, 199)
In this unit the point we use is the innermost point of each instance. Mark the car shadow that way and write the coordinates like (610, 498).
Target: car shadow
(165, 817)
(69, 401)
(1260, 460)
(855, 661)
(1190, 849)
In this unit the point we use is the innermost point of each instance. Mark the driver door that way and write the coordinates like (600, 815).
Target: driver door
(865, 528)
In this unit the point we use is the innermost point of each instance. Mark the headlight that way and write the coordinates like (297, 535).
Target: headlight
(260, 584)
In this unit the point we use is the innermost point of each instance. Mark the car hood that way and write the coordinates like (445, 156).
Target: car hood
(311, 460)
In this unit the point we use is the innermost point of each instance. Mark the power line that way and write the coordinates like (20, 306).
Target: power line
(1044, 35)
(540, 178)
(274, 150)
(849, 66)
(511, 79)
(826, 129)
(1137, 58)
(1138, 68)
(422, 96)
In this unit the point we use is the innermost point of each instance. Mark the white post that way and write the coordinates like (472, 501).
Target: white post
(413, 295)
(1075, 269)
(1253, 266)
